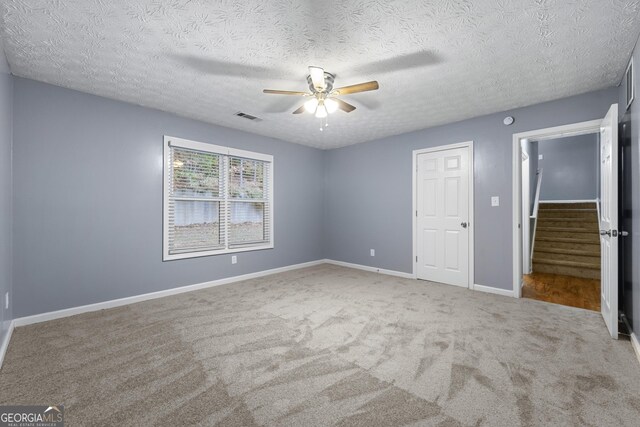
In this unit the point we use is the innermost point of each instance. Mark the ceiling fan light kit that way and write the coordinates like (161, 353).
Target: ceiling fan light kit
(331, 105)
(311, 105)
(321, 111)
(324, 99)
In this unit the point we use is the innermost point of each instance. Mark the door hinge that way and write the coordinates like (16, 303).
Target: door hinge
(416, 213)
(416, 259)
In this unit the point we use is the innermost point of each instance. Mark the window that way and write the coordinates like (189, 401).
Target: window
(217, 200)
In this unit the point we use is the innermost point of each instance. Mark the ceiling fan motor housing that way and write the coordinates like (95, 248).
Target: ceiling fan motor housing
(328, 83)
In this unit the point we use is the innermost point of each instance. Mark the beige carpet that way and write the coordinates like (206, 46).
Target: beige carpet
(328, 346)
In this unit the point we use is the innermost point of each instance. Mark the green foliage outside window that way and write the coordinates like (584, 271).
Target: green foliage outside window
(196, 173)
(246, 179)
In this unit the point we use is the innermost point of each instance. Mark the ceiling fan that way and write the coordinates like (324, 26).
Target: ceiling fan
(324, 99)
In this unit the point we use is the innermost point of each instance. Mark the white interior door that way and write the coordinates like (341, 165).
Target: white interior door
(443, 216)
(526, 212)
(609, 219)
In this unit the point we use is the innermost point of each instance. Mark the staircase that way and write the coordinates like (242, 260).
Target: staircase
(567, 240)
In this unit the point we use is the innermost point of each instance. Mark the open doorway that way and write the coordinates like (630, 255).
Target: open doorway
(561, 236)
(559, 221)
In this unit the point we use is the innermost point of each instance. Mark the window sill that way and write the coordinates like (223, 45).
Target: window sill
(188, 255)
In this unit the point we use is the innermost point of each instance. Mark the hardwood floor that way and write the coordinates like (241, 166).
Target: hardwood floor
(565, 290)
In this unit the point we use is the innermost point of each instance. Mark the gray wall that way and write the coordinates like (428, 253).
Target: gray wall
(88, 200)
(368, 200)
(631, 304)
(88, 196)
(570, 168)
(6, 137)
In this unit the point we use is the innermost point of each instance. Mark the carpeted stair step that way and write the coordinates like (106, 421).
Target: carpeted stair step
(589, 223)
(578, 230)
(590, 250)
(567, 268)
(588, 259)
(569, 241)
(564, 247)
(550, 206)
(568, 213)
(584, 234)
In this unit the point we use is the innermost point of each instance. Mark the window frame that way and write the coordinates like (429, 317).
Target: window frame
(170, 141)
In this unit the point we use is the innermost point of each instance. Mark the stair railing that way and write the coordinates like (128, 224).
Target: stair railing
(534, 216)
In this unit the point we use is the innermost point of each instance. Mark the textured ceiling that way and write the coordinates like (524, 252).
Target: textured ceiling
(436, 61)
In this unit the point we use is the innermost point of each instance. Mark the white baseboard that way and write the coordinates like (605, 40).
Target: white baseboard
(492, 290)
(372, 269)
(5, 344)
(52, 315)
(43, 317)
(636, 345)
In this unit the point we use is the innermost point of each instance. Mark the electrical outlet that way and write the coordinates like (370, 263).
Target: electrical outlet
(6, 300)
(234, 259)
(495, 201)
(373, 252)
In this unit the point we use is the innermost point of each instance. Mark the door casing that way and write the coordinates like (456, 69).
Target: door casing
(471, 226)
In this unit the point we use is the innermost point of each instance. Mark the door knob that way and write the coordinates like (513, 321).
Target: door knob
(605, 233)
(464, 225)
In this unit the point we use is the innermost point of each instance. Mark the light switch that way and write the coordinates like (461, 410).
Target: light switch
(495, 201)
(540, 156)
(234, 259)
(373, 252)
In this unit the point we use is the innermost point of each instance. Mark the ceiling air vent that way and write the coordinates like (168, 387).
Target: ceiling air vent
(248, 116)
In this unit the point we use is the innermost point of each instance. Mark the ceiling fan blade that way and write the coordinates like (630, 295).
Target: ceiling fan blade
(344, 106)
(299, 110)
(317, 78)
(285, 92)
(361, 87)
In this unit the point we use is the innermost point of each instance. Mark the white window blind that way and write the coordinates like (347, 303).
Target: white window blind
(217, 200)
